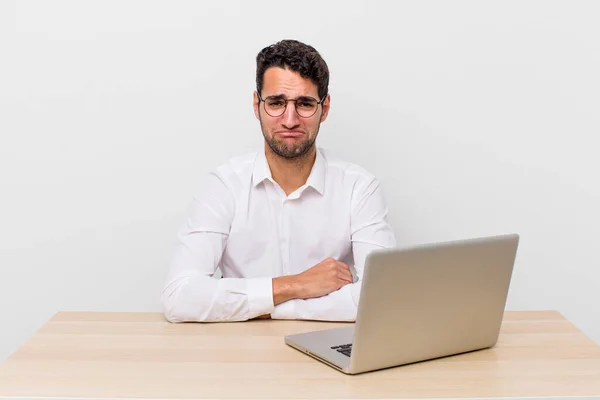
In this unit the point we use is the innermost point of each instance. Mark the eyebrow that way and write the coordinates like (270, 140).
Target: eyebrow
(282, 96)
(277, 96)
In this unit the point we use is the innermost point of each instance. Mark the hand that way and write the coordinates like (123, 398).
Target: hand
(326, 277)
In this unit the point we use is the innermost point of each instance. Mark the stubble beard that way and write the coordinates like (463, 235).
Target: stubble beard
(294, 152)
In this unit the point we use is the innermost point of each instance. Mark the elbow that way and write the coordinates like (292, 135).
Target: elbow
(179, 306)
(172, 316)
(171, 309)
(175, 307)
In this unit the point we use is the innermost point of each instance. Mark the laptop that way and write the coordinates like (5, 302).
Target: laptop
(421, 303)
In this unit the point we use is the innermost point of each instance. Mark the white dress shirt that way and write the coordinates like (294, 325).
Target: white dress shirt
(242, 222)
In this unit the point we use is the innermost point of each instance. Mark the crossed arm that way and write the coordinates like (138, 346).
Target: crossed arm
(322, 292)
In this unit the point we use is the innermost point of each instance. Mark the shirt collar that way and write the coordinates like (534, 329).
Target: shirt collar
(316, 179)
(261, 169)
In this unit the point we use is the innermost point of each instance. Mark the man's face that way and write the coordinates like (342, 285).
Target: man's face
(289, 135)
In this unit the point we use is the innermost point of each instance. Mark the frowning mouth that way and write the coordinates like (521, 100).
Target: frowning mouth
(289, 133)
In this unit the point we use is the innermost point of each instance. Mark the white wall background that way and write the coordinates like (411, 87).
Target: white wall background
(478, 117)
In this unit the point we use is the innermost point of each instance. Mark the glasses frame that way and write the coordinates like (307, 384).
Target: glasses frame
(286, 103)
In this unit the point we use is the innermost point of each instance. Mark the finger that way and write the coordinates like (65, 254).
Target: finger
(345, 275)
(343, 265)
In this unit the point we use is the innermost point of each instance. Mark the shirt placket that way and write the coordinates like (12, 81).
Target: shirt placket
(284, 231)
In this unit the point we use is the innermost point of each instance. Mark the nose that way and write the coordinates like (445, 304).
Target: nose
(290, 118)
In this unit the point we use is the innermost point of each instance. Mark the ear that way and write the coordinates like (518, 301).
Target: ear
(325, 105)
(256, 104)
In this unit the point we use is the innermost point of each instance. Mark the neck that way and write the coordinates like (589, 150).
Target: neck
(290, 173)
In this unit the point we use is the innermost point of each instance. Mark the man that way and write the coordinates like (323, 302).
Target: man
(290, 226)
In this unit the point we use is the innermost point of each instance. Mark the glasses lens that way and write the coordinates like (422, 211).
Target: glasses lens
(306, 107)
(275, 106)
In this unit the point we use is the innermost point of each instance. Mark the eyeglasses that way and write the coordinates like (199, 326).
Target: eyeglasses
(306, 106)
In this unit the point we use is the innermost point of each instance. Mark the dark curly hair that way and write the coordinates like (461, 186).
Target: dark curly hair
(296, 56)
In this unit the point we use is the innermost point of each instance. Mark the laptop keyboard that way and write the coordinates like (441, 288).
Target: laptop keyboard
(345, 349)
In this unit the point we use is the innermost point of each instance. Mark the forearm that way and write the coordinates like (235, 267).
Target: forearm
(286, 288)
(204, 299)
(313, 287)
(336, 306)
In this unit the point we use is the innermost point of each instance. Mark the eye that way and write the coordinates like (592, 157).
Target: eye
(306, 104)
(275, 103)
